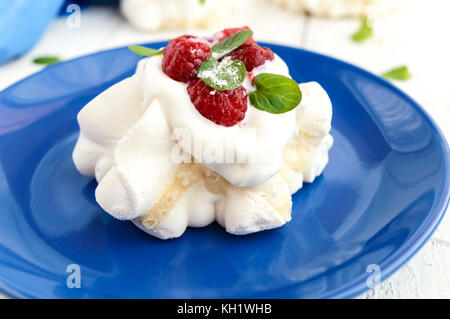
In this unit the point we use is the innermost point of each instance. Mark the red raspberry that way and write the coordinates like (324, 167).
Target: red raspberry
(252, 55)
(225, 108)
(183, 56)
(219, 36)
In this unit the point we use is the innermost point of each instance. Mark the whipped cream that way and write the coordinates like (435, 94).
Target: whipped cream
(150, 15)
(104, 121)
(128, 136)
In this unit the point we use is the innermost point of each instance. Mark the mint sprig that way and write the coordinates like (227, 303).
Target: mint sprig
(400, 73)
(46, 60)
(231, 43)
(275, 93)
(364, 32)
(144, 51)
(224, 75)
(202, 2)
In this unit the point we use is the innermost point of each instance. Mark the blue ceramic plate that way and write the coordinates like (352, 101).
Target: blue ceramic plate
(382, 195)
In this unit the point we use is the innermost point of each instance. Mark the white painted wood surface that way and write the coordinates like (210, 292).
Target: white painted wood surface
(417, 36)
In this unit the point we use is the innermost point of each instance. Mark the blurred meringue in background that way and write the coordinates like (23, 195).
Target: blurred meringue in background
(151, 15)
(341, 8)
(22, 23)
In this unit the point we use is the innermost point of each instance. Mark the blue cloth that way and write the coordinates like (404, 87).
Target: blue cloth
(22, 23)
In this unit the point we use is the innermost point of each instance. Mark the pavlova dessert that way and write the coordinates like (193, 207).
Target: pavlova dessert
(205, 130)
(151, 15)
(341, 8)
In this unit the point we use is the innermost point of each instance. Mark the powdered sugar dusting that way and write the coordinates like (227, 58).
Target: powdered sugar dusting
(221, 75)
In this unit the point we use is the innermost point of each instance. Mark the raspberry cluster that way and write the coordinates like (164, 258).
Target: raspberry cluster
(182, 59)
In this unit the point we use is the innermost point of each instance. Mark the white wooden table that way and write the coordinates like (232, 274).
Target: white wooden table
(417, 37)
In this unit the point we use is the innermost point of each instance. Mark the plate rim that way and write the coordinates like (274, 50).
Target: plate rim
(399, 257)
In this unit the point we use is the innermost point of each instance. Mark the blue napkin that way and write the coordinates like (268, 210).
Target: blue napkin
(22, 22)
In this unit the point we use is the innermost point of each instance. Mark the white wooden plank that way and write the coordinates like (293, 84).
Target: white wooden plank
(426, 275)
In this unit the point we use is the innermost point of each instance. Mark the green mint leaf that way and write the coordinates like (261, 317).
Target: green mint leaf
(231, 43)
(224, 75)
(46, 60)
(400, 73)
(275, 93)
(202, 2)
(365, 31)
(144, 51)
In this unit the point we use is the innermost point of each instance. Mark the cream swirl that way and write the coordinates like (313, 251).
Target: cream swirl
(247, 154)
